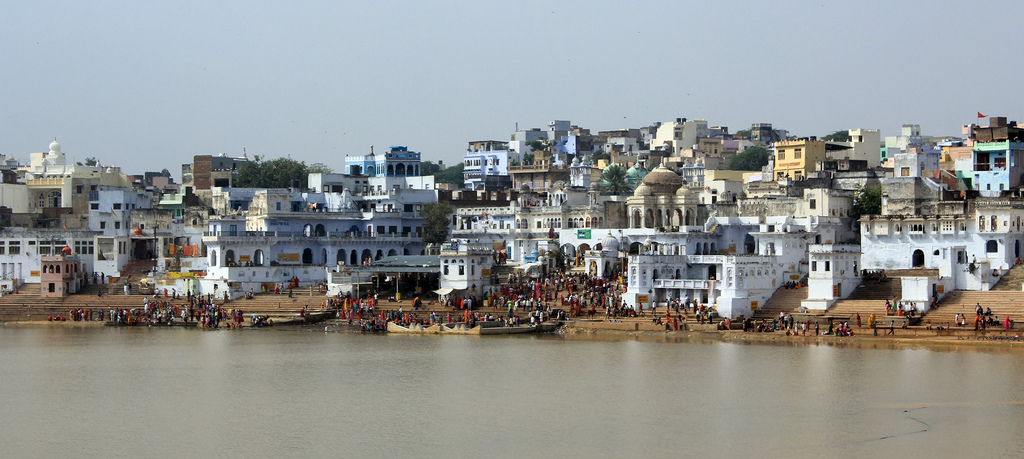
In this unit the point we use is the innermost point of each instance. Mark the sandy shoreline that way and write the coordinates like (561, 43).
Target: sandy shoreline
(956, 339)
(950, 340)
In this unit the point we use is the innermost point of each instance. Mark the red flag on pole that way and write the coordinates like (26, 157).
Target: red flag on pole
(982, 116)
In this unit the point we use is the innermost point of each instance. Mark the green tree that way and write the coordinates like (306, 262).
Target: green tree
(743, 134)
(429, 168)
(319, 168)
(613, 181)
(838, 136)
(436, 216)
(751, 159)
(276, 173)
(599, 155)
(867, 201)
(452, 175)
(539, 144)
(91, 161)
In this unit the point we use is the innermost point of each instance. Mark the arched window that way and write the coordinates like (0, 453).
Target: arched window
(991, 246)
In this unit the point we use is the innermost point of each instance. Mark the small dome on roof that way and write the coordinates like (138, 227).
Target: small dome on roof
(663, 180)
(642, 190)
(54, 146)
(610, 243)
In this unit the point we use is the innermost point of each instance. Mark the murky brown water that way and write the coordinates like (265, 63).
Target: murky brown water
(100, 392)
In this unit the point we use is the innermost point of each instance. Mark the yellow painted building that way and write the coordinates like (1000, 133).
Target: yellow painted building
(796, 158)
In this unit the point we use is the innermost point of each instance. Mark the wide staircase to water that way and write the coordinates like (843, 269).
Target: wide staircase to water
(1012, 280)
(1002, 302)
(29, 304)
(783, 300)
(869, 297)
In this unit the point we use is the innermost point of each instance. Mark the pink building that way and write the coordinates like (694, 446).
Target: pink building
(60, 276)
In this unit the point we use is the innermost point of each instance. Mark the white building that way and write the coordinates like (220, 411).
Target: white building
(486, 159)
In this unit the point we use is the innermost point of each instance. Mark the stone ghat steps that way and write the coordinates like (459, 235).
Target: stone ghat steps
(28, 305)
(270, 302)
(783, 300)
(1002, 303)
(890, 289)
(1011, 281)
(850, 308)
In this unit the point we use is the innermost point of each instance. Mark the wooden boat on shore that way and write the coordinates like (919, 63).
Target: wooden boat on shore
(310, 318)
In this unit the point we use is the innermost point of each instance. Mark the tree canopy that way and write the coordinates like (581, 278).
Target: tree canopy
(743, 133)
(599, 155)
(751, 159)
(429, 168)
(319, 168)
(867, 201)
(614, 181)
(838, 136)
(436, 216)
(539, 144)
(275, 173)
(90, 161)
(451, 175)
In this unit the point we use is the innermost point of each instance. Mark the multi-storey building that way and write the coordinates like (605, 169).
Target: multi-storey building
(486, 165)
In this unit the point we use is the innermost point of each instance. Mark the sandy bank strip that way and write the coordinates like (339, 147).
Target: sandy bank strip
(902, 338)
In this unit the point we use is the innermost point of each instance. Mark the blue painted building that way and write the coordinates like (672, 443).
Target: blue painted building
(997, 158)
(398, 161)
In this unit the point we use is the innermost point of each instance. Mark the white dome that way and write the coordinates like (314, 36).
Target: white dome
(642, 190)
(610, 243)
(54, 146)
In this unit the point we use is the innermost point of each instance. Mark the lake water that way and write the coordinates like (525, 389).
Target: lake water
(101, 392)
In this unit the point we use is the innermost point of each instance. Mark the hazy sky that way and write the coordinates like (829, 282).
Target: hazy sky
(146, 85)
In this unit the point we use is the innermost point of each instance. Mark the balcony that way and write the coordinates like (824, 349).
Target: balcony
(267, 237)
(682, 283)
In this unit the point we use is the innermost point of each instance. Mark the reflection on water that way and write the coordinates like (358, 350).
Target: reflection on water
(147, 392)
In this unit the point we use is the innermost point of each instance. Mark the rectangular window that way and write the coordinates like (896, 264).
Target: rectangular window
(828, 266)
(117, 225)
(814, 266)
(94, 206)
(814, 203)
(278, 206)
(44, 250)
(14, 248)
(117, 205)
(103, 225)
(782, 155)
(798, 154)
